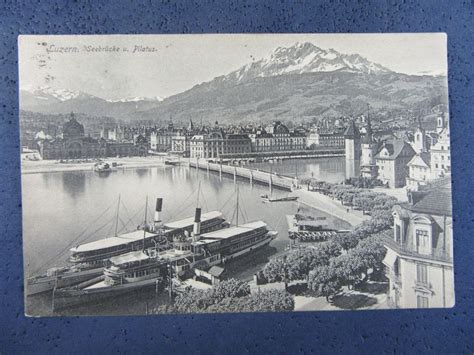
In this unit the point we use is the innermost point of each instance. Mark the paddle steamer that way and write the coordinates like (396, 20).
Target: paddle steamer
(88, 260)
(153, 268)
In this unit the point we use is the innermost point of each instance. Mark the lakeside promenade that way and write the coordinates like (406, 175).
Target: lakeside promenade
(325, 203)
(53, 166)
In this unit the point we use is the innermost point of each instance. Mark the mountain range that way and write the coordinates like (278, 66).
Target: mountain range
(292, 83)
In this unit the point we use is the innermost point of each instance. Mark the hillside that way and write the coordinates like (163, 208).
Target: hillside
(297, 83)
(300, 96)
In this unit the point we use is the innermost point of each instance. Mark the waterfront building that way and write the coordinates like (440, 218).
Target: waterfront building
(161, 140)
(217, 144)
(277, 138)
(180, 144)
(352, 150)
(392, 161)
(419, 259)
(74, 144)
(322, 137)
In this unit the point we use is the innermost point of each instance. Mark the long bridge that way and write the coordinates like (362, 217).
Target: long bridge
(273, 180)
(325, 152)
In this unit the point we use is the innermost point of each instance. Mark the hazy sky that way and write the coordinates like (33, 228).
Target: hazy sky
(179, 62)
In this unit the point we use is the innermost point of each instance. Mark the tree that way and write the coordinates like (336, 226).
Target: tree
(347, 198)
(195, 301)
(324, 281)
(229, 296)
(328, 250)
(346, 240)
(347, 269)
(364, 203)
(302, 261)
(371, 252)
(298, 263)
(231, 288)
(277, 270)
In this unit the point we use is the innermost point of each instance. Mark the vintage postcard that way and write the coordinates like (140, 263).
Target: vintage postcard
(235, 173)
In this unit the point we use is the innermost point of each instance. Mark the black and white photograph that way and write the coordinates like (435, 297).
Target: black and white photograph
(224, 173)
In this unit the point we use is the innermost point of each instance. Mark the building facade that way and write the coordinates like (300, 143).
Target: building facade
(74, 144)
(320, 137)
(441, 151)
(277, 138)
(352, 149)
(419, 171)
(217, 144)
(180, 144)
(419, 259)
(392, 161)
(112, 134)
(368, 167)
(161, 140)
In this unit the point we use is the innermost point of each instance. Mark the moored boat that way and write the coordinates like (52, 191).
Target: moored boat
(149, 267)
(89, 259)
(102, 167)
(171, 162)
(267, 198)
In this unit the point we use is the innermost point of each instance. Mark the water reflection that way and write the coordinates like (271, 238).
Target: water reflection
(326, 169)
(142, 172)
(74, 183)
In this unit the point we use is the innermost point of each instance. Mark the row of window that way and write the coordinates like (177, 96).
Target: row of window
(142, 273)
(448, 167)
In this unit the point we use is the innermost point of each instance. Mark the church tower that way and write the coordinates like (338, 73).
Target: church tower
(369, 150)
(440, 123)
(352, 150)
(420, 138)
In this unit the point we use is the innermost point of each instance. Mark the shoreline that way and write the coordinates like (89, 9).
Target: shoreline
(324, 203)
(53, 166)
(311, 199)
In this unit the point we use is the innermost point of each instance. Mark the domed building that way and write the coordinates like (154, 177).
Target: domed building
(72, 128)
(74, 144)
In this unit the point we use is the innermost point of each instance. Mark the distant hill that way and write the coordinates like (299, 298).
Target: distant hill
(295, 83)
(51, 101)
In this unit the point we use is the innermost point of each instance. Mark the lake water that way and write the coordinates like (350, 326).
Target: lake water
(58, 207)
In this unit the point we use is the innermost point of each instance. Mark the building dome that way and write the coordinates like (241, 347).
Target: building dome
(73, 128)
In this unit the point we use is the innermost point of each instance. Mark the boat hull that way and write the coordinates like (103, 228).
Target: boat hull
(70, 297)
(237, 254)
(37, 285)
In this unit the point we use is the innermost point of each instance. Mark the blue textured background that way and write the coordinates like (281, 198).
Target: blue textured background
(450, 330)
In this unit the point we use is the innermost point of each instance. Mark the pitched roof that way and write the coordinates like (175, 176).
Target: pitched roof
(424, 156)
(216, 271)
(352, 131)
(394, 148)
(437, 201)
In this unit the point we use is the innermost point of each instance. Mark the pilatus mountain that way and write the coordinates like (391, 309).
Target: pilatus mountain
(295, 83)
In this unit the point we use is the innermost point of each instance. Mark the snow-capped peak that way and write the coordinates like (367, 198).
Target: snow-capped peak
(59, 94)
(138, 98)
(47, 92)
(305, 58)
